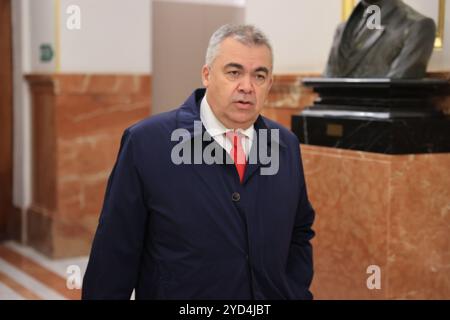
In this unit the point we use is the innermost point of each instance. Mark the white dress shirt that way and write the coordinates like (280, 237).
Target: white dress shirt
(217, 130)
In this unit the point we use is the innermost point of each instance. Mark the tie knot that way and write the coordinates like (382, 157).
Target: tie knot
(237, 150)
(231, 135)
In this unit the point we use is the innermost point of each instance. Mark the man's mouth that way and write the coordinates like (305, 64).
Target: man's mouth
(244, 102)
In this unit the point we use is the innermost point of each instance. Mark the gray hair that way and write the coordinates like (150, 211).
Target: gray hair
(246, 34)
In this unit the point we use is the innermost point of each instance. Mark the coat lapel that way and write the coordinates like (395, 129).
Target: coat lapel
(372, 37)
(187, 115)
(261, 147)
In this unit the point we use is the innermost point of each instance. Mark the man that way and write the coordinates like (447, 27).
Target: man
(208, 231)
(399, 48)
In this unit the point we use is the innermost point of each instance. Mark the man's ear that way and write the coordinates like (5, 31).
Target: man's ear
(205, 76)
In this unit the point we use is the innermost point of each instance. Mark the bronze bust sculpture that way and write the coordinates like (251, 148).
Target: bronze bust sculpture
(400, 48)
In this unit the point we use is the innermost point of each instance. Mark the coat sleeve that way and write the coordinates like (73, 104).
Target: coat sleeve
(300, 261)
(413, 58)
(114, 262)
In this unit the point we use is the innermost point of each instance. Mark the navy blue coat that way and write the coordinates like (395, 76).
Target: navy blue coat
(194, 231)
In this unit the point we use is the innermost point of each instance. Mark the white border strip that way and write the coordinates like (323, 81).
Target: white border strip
(231, 3)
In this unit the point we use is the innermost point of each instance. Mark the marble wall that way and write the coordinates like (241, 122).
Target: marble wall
(287, 97)
(374, 209)
(78, 121)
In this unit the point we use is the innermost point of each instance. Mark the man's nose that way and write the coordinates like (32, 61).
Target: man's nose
(246, 85)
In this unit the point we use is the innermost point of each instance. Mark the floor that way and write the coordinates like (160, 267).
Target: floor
(25, 274)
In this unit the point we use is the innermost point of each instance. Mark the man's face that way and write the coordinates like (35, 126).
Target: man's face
(238, 82)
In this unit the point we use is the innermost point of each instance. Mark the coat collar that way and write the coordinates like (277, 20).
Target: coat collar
(190, 112)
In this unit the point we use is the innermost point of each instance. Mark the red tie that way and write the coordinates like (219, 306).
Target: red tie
(237, 153)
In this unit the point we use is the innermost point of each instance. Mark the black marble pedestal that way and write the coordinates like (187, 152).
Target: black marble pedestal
(375, 115)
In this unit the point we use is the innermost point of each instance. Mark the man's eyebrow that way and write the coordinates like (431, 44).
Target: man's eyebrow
(234, 65)
(262, 69)
(241, 67)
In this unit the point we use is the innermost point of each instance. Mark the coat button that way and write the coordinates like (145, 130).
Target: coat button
(235, 196)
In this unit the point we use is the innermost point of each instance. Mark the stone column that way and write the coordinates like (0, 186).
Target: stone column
(77, 123)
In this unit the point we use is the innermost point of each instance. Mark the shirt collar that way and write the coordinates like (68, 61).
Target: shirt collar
(214, 127)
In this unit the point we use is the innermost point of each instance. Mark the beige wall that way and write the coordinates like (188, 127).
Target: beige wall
(114, 37)
(440, 61)
(301, 31)
(181, 31)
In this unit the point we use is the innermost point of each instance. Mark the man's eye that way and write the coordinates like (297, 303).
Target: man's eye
(233, 73)
(260, 78)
